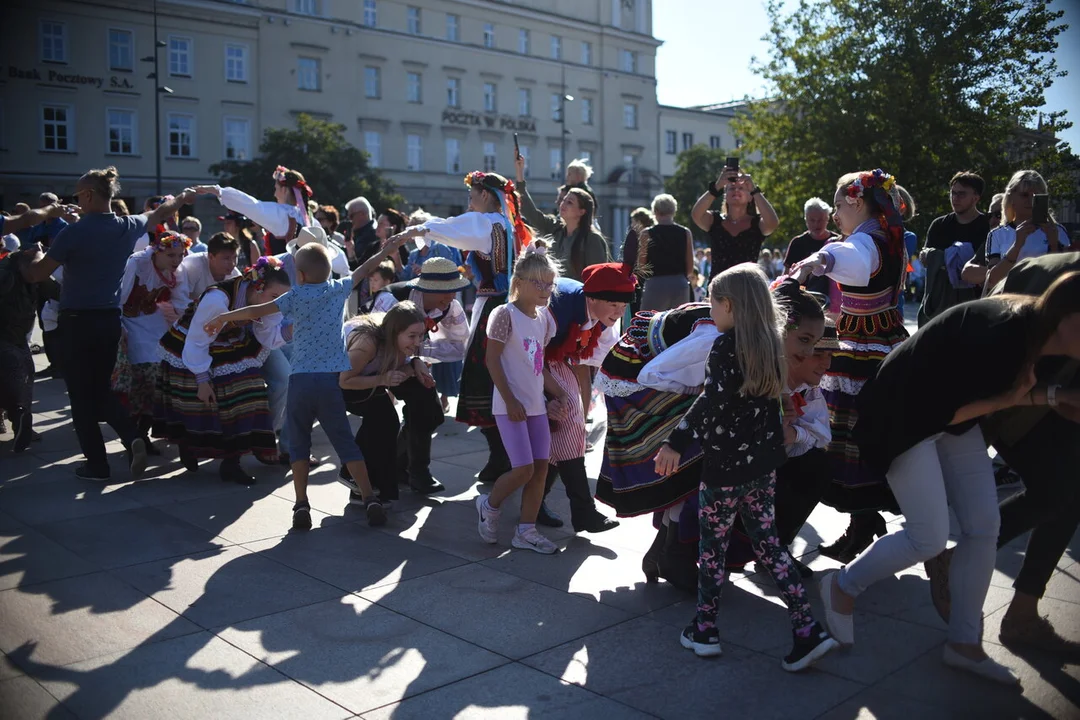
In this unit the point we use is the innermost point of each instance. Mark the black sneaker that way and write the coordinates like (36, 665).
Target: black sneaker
(346, 479)
(301, 516)
(704, 643)
(426, 485)
(24, 431)
(807, 650)
(376, 514)
(87, 472)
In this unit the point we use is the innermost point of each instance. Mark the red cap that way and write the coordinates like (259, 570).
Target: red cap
(614, 282)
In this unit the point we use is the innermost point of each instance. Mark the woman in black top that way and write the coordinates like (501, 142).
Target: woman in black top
(746, 218)
(666, 255)
(918, 423)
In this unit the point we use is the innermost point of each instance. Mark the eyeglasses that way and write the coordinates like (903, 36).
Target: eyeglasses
(189, 228)
(543, 287)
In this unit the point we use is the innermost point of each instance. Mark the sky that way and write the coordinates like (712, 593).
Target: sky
(710, 62)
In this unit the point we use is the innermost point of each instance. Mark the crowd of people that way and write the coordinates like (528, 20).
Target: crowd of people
(743, 386)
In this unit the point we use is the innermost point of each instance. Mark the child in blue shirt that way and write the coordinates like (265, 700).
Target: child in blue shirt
(315, 306)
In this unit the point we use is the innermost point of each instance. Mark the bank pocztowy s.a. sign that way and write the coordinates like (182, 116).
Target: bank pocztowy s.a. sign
(451, 116)
(61, 77)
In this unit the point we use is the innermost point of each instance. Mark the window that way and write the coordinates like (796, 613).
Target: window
(120, 125)
(687, 140)
(305, 7)
(556, 163)
(372, 82)
(412, 87)
(523, 42)
(121, 49)
(556, 107)
(57, 128)
(371, 13)
(237, 139)
(489, 157)
(490, 102)
(640, 18)
(714, 142)
(453, 28)
(556, 47)
(671, 142)
(629, 113)
(373, 147)
(53, 41)
(181, 135)
(628, 61)
(453, 156)
(413, 21)
(616, 13)
(489, 35)
(586, 53)
(524, 101)
(308, 72)
(180, 56)
(236, 63)
(586, 111)
(414, 152)
(586, 156)
(453, 92)
(524, 150)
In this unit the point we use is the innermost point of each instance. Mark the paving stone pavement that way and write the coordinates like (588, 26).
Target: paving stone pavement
(180, 596)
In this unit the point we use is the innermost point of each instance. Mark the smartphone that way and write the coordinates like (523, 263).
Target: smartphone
(517, 148)
(732, 162)
(1040, 209)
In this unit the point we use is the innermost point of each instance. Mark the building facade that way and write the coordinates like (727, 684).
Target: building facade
(683, 128)
(429, 88)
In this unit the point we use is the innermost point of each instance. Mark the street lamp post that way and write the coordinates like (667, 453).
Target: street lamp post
(158, 90)
(562, 120)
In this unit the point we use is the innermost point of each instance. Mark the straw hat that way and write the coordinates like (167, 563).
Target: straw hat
(439, 275)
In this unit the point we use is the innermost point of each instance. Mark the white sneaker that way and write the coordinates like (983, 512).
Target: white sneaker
(841, 627)
(986, 668)
(488, 524)
(531, 539)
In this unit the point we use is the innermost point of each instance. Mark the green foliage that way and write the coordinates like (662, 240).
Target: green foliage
(336, 170)
(922, 88)
(694, 170)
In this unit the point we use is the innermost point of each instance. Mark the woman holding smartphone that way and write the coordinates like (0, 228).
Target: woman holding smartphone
(1028, 229)
(738, 230)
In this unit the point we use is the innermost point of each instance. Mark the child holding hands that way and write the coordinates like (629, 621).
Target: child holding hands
(315, 306)
(737, 419)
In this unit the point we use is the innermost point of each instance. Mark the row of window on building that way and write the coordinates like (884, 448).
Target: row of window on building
(122, 133)
(180, 52)
(415, 156)
(671, 141)
(414, 25)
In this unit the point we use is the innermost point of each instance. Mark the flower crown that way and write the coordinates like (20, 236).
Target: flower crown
(279, 178)
(868, 181)
(256, 274)
(168, 239)
(477, 177)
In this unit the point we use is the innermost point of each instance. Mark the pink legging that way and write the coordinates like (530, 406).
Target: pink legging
(525, 442)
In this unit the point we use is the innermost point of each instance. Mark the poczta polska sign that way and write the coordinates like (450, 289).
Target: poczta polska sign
(69, 78)
(489, 122)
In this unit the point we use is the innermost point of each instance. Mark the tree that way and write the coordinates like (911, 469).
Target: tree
(336, 170)
(921, 88)
(695, 168)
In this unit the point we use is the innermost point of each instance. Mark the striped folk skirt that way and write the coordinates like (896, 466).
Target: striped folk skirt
(568, 435)
(865, 340)
(474, 402)
(637, 426)
(239, 424)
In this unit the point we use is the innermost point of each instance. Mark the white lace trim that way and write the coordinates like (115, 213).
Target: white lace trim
(617, 388)
(846, 385)
(866, 347)
(253, 363)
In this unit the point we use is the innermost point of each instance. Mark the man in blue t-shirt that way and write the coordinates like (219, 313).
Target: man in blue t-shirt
(93, 253)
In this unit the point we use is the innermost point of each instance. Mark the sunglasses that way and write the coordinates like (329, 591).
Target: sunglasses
(187, 228)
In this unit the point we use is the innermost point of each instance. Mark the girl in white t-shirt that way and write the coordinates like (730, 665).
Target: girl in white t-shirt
(1018, 237)
(517, 334)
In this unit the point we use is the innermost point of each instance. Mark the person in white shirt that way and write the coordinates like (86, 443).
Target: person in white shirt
(199, 271)
(1019, 237)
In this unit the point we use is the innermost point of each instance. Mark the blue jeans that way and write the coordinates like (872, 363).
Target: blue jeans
(275, 372)
(317, 396)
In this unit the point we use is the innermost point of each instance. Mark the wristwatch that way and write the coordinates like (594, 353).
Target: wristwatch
(756, 190)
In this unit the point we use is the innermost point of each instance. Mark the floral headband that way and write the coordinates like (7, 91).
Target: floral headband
(256, 274)
(168, 239)
(868, 181)
(478, 177)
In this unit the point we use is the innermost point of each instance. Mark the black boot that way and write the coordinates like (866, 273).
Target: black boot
(231, 471)
(861, 531)
(419, 462)
(548, 517)
(498, 463)
(583, 513)
(188, 460)
(650, 563)
(678, 562)
(144, 424)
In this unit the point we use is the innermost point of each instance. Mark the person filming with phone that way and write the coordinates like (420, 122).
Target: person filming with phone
(746, 218)
(1027, 229)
